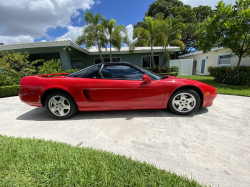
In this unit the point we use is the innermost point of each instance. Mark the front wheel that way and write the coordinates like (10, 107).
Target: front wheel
(184, 102)
(60, 105)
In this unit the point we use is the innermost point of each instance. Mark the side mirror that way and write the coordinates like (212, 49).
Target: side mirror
(146, 79)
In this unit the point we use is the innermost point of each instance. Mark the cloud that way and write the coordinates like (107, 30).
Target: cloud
(211, 3)
(79, 20)
(73, 33)
(130, 29)
(16, 39)
(41, 5)
(34, 17)
(98, 2)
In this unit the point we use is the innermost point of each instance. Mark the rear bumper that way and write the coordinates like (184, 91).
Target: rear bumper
(30, 99)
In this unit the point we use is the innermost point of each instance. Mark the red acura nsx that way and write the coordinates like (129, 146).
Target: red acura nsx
(114, 86)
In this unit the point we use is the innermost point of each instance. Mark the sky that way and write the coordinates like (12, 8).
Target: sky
(24, 21)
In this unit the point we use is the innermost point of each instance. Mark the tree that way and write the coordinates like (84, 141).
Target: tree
(17, 65)
(93, 33)
(180, 13)
(229, 28)
(1, 43)
(202, 13)
(173, 38)
(150, 36)
(115, 34)
(191, 18)
(163, 6)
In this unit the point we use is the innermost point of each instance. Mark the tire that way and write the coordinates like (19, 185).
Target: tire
(60, 105)
(184, 102)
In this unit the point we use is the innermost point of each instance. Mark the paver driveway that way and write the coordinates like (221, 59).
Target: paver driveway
(212, 146)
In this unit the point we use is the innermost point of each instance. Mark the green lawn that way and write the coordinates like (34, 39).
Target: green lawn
(31, 162)
(221, 88)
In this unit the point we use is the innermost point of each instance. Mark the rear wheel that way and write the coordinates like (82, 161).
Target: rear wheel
(60, 105)
(184, 102)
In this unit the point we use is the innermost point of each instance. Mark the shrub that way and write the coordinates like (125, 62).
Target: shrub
(70, 70)
(230, 75)
(155, 69)
(211, 70)
(6, 80)
(50, 67)
(6, 91)
(171, 73)
(165, 69)
(16, 65)
(53, 66)
(174, 70)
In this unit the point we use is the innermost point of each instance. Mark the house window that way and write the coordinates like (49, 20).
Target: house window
(98, 60)
(146, 61)
(224, 60)
(76, 63)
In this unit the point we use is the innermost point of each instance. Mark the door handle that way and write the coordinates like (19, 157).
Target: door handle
(98, 83)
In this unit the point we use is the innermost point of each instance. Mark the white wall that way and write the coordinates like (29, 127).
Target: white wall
(185, 66)
(212, 58)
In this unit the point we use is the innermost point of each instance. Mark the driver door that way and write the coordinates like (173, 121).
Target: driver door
(121, 86)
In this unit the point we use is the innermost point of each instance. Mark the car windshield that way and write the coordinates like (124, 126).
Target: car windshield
(150, 73)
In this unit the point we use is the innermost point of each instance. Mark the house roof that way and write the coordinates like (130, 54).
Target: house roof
(199, 52)
(93, 51)
(64, 42)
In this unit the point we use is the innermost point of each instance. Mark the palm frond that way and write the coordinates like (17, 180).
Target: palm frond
(178, 43)
(80, 40)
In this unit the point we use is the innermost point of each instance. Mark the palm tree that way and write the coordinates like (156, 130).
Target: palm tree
(93, 33)
(115, 34)
(172, 38)
(150, 35)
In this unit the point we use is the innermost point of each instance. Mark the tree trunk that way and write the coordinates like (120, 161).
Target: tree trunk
(152, 54)
(110, 50)
(162, 63)
(238, 64)
(100, 52)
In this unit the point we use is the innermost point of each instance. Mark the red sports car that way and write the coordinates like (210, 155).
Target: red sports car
(114, 86)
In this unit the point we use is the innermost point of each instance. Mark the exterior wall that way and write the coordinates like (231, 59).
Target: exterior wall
(66, 55)
(244, 61)
(212, 59)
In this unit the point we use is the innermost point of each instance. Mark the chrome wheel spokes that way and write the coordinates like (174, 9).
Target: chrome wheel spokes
(184, 102)
(59, 105)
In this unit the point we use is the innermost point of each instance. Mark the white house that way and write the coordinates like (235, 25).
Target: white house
(217, 57)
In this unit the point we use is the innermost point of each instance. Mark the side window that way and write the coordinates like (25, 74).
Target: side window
(121, 72)
(85, 73)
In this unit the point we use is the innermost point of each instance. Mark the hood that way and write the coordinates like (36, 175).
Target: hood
(184, 81)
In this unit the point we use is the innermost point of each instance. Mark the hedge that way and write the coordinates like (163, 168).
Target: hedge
(6, 91)
(171, 73)
(230, 75)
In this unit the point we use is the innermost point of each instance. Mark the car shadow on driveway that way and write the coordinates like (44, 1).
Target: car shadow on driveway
(40, 114)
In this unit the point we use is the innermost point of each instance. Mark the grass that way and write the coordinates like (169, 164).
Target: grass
(31, 162)
(221, 88)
